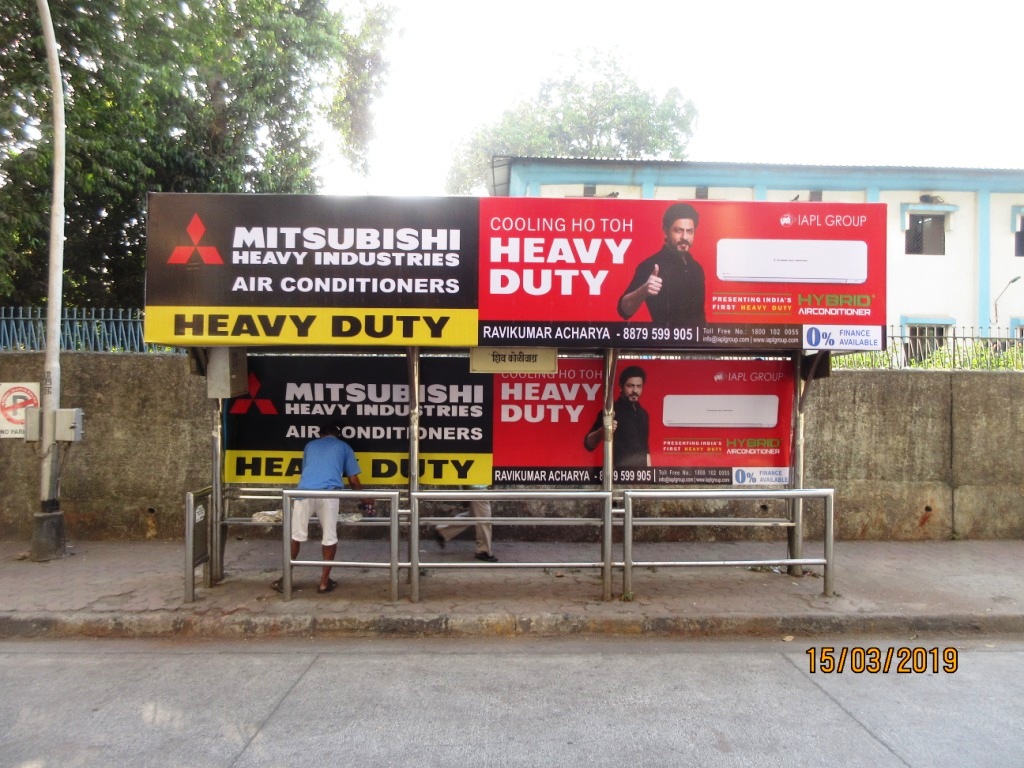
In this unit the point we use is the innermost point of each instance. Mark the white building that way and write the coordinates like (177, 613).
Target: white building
(955, 245)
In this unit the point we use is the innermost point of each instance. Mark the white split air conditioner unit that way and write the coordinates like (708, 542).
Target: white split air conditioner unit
(720, 411)
(792, 261)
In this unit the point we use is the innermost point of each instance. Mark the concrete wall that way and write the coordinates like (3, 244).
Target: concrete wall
(911, 454)
(148, 427)
(919, 454)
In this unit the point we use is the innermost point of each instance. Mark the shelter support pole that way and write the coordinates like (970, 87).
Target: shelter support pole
(217, 541)
(803, 389)
(414, 463)
(611, 357)
(796, 511)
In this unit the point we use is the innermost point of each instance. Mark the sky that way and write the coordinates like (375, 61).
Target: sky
(901, 82)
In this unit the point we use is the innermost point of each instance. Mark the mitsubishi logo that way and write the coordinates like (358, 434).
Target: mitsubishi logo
(196, 229)
(244, 404)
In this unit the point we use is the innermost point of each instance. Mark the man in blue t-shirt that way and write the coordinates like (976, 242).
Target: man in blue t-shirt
(326, 461)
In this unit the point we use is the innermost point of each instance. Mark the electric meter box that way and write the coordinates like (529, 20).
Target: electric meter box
(226, 374)
(32, 424)
(68, 426)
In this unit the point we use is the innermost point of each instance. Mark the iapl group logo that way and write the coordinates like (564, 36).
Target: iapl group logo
(182, 254)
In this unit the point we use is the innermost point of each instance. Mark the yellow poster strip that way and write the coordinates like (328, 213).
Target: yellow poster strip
(284, 468)
(314, 326)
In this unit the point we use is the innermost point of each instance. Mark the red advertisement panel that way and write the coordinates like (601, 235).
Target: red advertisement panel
(673, 274)
(699, 422)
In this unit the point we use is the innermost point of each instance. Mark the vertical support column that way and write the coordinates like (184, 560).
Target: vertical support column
(286, 543)
(607, 484)
(217, 483)
(48, 537)
(393, 527)
(414, 477)
(190, 570)
(608, 416)
(829, 576)
(627, 549)
(606, 548)
(796, 508)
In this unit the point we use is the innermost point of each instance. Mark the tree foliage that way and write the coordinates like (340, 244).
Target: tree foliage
(168, 96)
(598, 111)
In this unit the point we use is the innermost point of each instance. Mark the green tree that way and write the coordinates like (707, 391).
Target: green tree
(598, 111)
(169, 96)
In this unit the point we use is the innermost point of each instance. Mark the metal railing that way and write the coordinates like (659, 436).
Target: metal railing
(794, 558)
(23, 329)
(120, 330)
(604, 522)
(393, 521)
(952, 349)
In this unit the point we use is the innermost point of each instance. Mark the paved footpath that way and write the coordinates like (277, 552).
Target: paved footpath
(136, 589)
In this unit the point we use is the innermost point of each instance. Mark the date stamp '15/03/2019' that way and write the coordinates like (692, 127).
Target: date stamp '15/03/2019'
(902, 660)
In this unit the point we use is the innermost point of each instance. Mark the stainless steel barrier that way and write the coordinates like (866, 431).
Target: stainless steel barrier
(417, 498)
(393, 521)
(630, 521)
(237, 494)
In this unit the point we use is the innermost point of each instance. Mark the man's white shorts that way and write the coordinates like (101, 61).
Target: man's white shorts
(326, 511)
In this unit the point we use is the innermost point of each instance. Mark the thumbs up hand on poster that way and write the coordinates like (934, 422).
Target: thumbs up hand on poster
(653, 284)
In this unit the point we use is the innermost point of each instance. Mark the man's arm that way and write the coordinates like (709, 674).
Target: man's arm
(355, 484)
(592, 438)
(630, 302)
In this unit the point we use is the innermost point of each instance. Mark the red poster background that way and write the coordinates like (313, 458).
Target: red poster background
(541, 420)
(557, 224)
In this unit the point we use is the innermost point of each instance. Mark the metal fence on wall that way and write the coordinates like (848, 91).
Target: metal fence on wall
(23, 329)
(942, 348)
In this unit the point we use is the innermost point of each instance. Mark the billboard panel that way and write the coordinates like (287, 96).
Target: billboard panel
(513, 429)
(248, 270)
(740, 275)
(293, 270)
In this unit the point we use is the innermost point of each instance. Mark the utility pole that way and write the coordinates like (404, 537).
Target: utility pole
(48, 524)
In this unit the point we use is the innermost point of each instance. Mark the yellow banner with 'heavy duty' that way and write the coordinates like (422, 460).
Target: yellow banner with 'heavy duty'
(285, 467)
(244, 326)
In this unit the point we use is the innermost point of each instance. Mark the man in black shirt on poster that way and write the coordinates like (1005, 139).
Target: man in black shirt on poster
(671, 281)
(631, 423)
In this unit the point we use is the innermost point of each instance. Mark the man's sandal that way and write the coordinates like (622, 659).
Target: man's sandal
(331, 584)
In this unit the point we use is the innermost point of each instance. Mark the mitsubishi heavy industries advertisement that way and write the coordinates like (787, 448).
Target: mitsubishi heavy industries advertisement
(296, 270)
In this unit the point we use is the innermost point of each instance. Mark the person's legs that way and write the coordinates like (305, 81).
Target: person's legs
(325, 575)
(300, 531)
(481, 508)
(327, 512)
(302, 510)
(483, 531)
(448, 531)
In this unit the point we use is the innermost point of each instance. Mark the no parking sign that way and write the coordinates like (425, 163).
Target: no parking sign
(14, 399)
